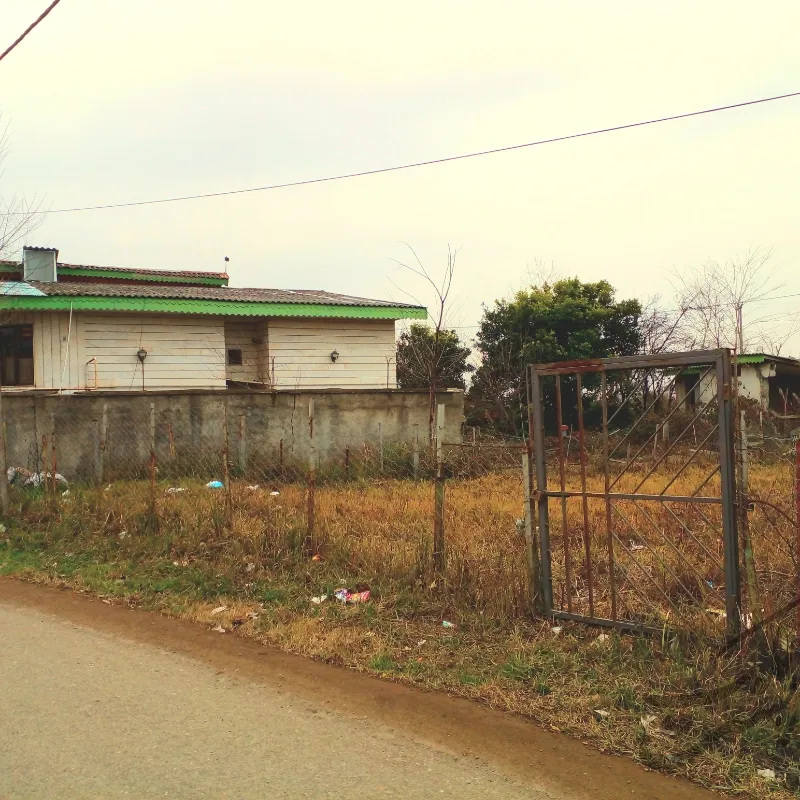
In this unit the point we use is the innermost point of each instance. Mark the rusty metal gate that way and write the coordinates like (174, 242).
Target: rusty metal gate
(633, 485)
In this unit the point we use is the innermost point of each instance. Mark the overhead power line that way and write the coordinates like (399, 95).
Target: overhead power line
(29, 28)
(431, 162)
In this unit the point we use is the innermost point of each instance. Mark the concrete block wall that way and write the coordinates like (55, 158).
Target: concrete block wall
(102, 435)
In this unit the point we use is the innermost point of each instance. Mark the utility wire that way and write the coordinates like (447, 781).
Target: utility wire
(30, 28)
(428, 163)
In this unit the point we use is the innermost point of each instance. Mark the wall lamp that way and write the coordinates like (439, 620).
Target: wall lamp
(335, 356)
(142, 355)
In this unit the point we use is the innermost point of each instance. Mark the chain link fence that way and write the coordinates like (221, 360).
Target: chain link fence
(400, 513)
(454, 519)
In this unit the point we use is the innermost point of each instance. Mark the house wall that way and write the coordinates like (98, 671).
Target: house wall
(98, 351)
(300, 350)
(56, 347)
(753, 384)
(183, 352)
(102, 435)
(249, 336)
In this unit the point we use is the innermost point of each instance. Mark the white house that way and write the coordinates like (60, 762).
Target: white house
(76, 328)
(771, 381)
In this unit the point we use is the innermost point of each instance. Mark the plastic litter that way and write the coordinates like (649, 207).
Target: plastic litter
(122, 534)
(636, 547)
(252, 615)
(274, 494)
(321, 599)
(447, 624)
(175, 489)
(215, 485)
(219, 610)
(346, 596)
(767, 774)
(316, 557)
(254, 488)
(249, 567)
(602, 638)
(23, 477)
(218, 629)
(557, 629)
(602, 713)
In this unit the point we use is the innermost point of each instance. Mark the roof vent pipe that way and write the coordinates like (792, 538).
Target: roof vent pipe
(39, 264)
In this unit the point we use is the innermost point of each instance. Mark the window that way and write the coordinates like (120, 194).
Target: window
(16, 355)
(235, 357)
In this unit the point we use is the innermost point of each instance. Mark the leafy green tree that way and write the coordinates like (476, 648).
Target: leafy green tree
(562, 321)
(426, 357)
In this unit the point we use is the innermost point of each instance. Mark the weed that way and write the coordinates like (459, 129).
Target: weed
(383, 663)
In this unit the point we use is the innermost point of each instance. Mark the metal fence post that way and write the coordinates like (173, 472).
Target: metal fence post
(226, 476)
(415, 453)
(727, 456)
(242, 444)
(438, 524)
(53, 459)
(537, 439)
(753, 594)
(103, 441)
(312, 478)
(531, 545)
(797, 537)
(152, 428)
(4, 498)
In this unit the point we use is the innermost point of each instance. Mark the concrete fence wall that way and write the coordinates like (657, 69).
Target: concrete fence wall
(102, 435)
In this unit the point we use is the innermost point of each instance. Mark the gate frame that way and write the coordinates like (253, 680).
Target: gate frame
(720, 360)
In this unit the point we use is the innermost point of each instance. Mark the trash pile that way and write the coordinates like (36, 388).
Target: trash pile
(361, 595)
(343, 595)
(19, 476)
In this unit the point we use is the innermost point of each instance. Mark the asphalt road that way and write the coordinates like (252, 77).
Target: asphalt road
(93, 704)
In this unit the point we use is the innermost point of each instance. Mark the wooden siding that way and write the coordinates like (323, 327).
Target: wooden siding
(56, 347)
(300, 351)
(186, 352)
(182, 352)
(240, 334)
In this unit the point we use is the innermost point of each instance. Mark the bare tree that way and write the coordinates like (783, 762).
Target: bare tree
(712, 300)
(18, 215)
(662, 330)
(432, 357)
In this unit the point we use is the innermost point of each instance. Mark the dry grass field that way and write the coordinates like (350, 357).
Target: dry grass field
(677, 703)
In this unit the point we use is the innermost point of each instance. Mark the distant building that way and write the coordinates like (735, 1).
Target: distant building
(773, 382)
(69, 327)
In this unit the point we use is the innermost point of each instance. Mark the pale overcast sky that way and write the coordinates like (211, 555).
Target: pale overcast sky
(114, 101)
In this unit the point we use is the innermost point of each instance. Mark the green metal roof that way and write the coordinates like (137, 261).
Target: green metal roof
(120, 273)
(211, 307)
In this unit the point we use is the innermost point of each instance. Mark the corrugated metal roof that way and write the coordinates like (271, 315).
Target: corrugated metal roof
(19, 289)
(123, 271)
(224, 293)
